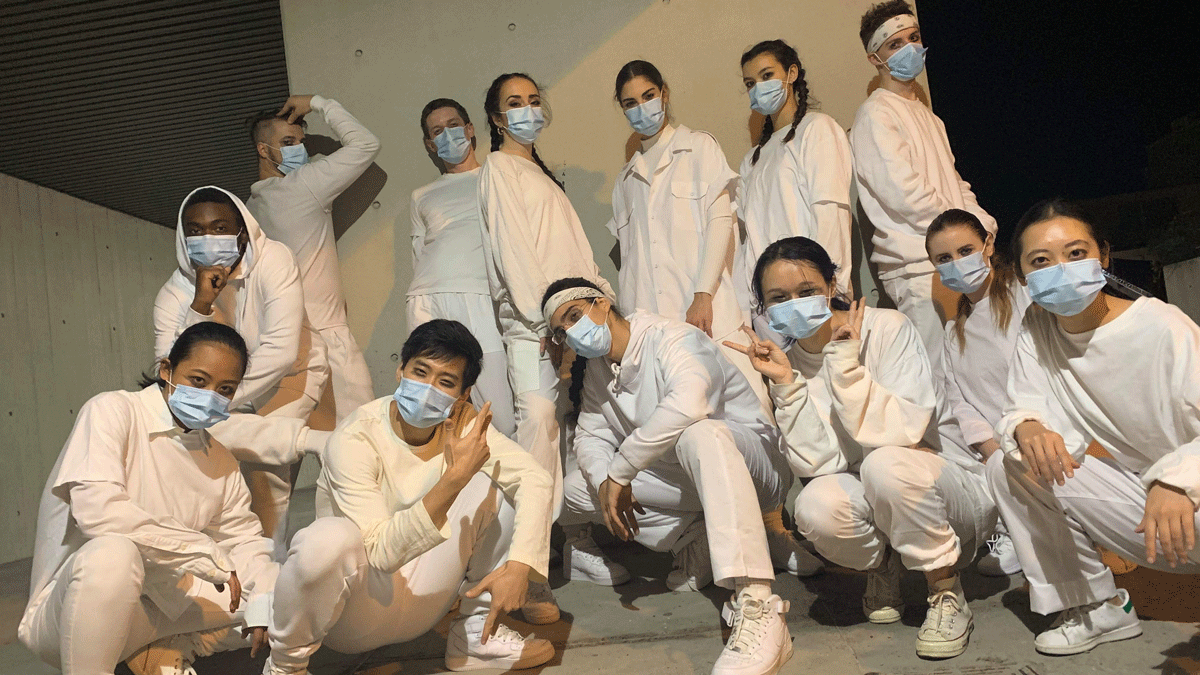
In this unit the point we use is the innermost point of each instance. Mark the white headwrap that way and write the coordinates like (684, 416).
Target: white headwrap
(567, 295)
(888, 29)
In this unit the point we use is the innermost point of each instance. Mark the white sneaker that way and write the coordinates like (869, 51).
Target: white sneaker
(788, 554)
(540, 607)
(506, 649)
(1001, 558)
(882, 602)
(759, 643)
(693, 566)
(1079, 629)
(947, 628)
(584, 560)
(172, 655)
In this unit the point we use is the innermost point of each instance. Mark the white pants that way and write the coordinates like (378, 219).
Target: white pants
(327, 592)
(913, 296)
(271, 484)
(743, 364)
(1056, 528)
(478, 314)
(95, 615)
(933, 512)
(719, 471)
(349, 378)
(536, 390)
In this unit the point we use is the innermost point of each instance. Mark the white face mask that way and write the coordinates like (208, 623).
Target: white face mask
(966, 274)
(525, 124)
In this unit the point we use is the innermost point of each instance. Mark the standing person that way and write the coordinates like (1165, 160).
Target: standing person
(293, 202)
(145, 522)
(796, 180)
(676, 453)
(1092, 367)
(449, 270)
(979, 344)
(904, 171)
(231, 273)
(855, 402)
(420, 503)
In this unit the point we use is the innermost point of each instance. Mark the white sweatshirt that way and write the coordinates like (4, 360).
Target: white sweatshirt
(1132, 385)
(371, 476)
(447, 238)
(780, 193)
(127, 470)
(675, 228)
(905, 175)
(297, 210)
(263, 299)
(670, 377)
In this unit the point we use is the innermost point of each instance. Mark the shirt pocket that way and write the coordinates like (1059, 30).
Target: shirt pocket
(688, 216)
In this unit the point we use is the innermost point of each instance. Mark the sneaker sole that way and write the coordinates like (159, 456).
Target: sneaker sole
(945, 650)
(884, 616)
(466, 662)
(1126, 633)
(580, 575)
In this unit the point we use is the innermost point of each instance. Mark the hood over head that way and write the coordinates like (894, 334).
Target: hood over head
(253, 248)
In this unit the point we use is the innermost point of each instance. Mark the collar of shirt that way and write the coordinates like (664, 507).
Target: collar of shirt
(155, 412)
(637, 165)
(626, 372)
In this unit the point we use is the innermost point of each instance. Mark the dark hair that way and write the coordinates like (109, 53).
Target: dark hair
(579, 366)
(491, 106)
(257, 124)
(798, 249)
(877, 15)
(445, 340)
(196, 334)
(212, 195)
(637, 68)
(1046, 210)
(787, 57)
(439, 103)
(1000, 292)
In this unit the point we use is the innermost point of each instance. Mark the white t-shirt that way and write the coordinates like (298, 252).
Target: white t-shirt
(447, 239)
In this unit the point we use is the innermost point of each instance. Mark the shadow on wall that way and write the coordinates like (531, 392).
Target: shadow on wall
(356, 199)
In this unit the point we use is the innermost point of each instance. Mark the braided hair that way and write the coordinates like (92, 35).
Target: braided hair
(787, 57)
(491, 106)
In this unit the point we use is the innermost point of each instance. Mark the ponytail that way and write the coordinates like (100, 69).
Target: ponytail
(491, 106)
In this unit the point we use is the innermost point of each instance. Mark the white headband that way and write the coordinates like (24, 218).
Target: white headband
(567, 295)
(888, 29)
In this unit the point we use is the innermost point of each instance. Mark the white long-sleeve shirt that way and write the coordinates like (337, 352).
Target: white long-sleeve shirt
(371, 476)
(1132, 385)
(297, 210)
(447, 238)
(128, 470)
(781, 194)
(670, 377)
(905, 174)
(675, 228)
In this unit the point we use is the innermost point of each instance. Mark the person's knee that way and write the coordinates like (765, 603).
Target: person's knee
(821, 508)
(329, 547)
(889, 475)
(110, 565)
(705, 438)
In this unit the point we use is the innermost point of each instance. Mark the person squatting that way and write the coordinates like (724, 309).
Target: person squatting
(726, 370)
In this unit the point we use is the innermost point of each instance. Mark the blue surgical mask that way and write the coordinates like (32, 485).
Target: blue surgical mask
(292, 157)
(799, 318)
(1066, 289)
(589, 339)
(966, 274)
(197, 408)
(422, 405)
(647, 118)
(453, 146)
(908, 62)
(768, 96)
(209, 250)
(525, 124)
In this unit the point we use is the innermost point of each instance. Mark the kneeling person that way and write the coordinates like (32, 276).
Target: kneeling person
(429, 504)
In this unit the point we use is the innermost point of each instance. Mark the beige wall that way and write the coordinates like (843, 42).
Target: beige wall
(77, 286)
(384, 60)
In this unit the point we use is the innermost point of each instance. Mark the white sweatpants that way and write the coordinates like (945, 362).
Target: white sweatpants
(536, 389)
(271, 484)
(913, 296)
(719, 471)
(1056, 528)
(327, 592)
(349, 377)
(95, 615)
(933, 512)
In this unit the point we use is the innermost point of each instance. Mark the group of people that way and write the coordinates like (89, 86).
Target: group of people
(679, 413)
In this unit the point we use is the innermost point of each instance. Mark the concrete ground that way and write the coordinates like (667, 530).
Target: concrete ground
(641, 627)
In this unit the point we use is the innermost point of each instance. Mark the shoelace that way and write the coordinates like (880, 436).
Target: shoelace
(506, 634)
(748, 630)
(1075, 615)
(588, 547)
(995, 541)
(939, 602)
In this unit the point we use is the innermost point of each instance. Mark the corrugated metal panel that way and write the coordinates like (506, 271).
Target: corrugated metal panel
(131, 104)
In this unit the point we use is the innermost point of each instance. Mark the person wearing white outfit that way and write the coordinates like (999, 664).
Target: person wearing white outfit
(979, 345)
(676, 453)
(796, 180)
(856, 404)
(231, 273)
(904, 171)
(145, 522)
(293, 202)
(449, 271)
(1092, 367)
(420, 502)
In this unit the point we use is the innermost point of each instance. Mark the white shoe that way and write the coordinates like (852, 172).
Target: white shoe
(947, 628)
(540, 607)
(172, 655)
(584, 560)
(882, 602)
(506, 649)
(759, 643)
(693, 566)
(788, 554)
(1001, 558)
(1079, 629)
